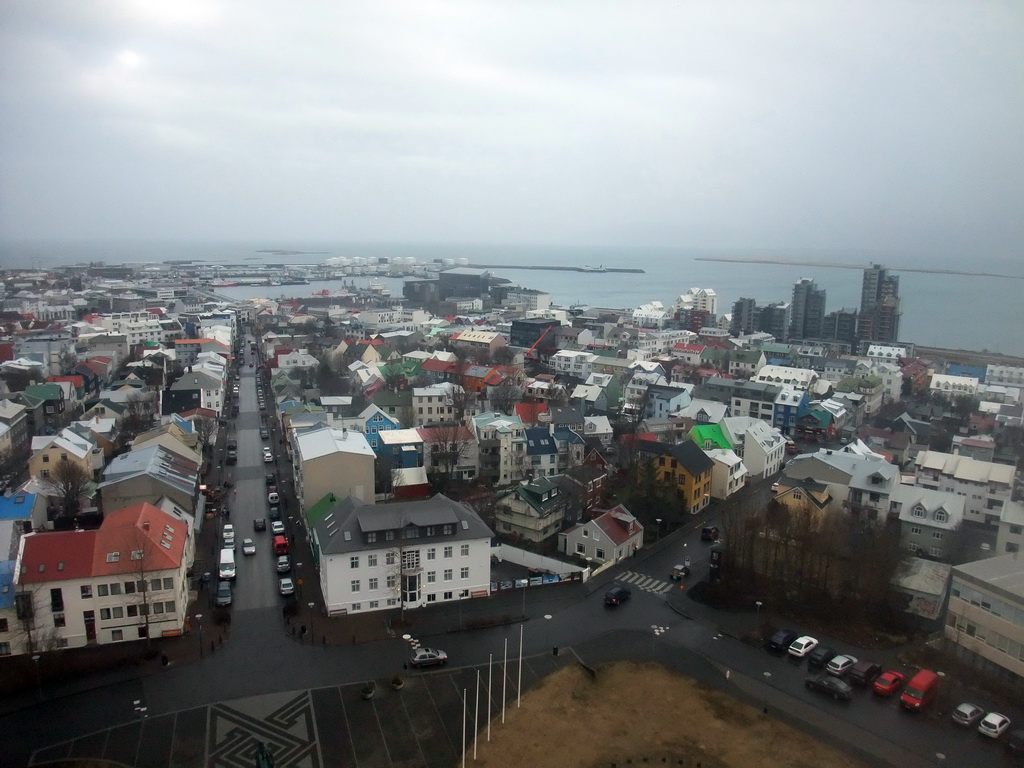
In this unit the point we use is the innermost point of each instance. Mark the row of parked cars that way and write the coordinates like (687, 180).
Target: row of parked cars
(841, 672)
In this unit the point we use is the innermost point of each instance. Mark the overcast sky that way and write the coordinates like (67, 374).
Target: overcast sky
(889, 125)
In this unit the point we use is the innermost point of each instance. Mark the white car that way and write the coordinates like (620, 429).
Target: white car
(277, 528)
(273, 497)
(429, 657)
(268, 458)
(286, 586)
(248, 547)
(993, 725)
(802, 646)
(840, 665)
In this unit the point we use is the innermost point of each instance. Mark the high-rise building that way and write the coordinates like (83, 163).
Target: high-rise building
(841, 325)
(704, 299)
(808, 310)
(775, 319)
(879, 319)
(744, 317)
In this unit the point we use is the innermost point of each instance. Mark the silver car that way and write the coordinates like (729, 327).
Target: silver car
(224, 594)
(428, 657)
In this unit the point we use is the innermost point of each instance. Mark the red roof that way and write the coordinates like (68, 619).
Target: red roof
(438, 366)
(76, 381)
(698, 348)
(155, 310)
(439, 434)
(67, 555)
(618, 524)
(56, 555)
(530, 412)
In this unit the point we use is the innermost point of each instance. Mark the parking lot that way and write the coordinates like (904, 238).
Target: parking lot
(418, 725)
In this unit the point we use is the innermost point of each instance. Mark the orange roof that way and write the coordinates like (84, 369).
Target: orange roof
(57, 555)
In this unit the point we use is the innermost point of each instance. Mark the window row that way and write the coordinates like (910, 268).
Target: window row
(133, 611)
(996, 607)
(372, 560)
(989, 636)
(127, 587)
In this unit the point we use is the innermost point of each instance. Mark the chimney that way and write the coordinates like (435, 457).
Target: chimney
(145, 525)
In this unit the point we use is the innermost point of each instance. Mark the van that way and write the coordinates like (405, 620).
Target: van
(921, 690)
(226, 569)
(280, 545)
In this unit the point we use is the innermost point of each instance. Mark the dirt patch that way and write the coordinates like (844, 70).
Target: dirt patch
(637, 714)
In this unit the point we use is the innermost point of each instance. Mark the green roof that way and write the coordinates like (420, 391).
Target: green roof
(44, 391)
(320, 510)
(709, 436)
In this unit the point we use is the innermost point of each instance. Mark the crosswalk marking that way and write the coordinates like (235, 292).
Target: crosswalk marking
(644, 582)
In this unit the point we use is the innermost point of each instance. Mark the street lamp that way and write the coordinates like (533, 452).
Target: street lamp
(199, 621)
(757, 616)
(657, 535)
(312, 634)
(547, 632)
(39, 680)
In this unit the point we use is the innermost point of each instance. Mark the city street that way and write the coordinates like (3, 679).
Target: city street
(304, 698)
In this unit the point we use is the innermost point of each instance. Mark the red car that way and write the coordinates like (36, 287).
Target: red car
(887, 683)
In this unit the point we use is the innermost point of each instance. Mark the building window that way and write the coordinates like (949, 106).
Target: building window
(1010, 547)
(117, 634)
(940, 516)
(935, 551)
(464, 550)
(371, 537)
(117, 612)
(937, 534)
(448, 574)
(373, 584)
(169, 583)
(105, 614)
(58, 620)
(918, 512)
(915, 530)
(86, 591)
(374, 604)
(129, 587)
(600, 554)
(353, 562)
(3, 625)
(371, 561)
(431, 553)
(5, 649)
(581, 548)
(392, 601)
(133, 610)
(169, 606)
(431, 577)
(354, 585)
(431, 530)
(464, 573)
(389, 558)
(392, 583)
(448, 552)
(101, 590)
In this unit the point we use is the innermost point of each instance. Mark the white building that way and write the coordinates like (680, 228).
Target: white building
(784, 375)
(1007, 375)
(608, 538)
(123, 581)
(886, 353)
(953, 385)
(700, 299)
(729, 473)
(760, 445)
(406, 554)
(573, 363)
(985, 486)
(652, 315)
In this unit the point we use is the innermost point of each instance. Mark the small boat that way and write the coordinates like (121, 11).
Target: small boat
(588, 268)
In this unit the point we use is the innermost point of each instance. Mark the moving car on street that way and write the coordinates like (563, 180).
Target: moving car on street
(830, 686)
(616, 596)
(248, 547)
(428, 657)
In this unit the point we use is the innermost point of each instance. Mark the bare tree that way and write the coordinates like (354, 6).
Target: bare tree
(447, 450)
(12, 464)
(206, 429)
(505, 396)
(70, 480)
(138, 416)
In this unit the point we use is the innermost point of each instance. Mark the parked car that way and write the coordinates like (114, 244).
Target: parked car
(273, 497)
(264, 433)
(921, 690)
(616, 596)
(286, 586)
(994, 725)
(781, 640)
(864, 672)
(967, 714)
(709, 533)
(232, 458)
(277, 527)
(229, 536)
(821, 656)
(248, 547)
(679, 572)
(275, 512)
(840, 665)
(831, 686)
(271, 478)
(428, 657)
(268, 457)
(802, 646)
(232, 445)
(223, 594)
(1015, 742)
(259, 524)
(283, 564)
(887, 683)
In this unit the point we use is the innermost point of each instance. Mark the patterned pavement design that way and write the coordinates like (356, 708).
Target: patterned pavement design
(419, 725)
(644, 582)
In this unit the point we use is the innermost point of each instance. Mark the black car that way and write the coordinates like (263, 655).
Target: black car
(271, 478)
(264, 433)
(781, 640)
(821, 656)
(232, 445)
(830, 686)
(232, 458)
(259, 524)
(616, 596)
(709, 533)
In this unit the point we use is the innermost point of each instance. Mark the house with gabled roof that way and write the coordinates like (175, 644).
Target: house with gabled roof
(609, 537)
(929, 520)
(406, 554)
(148, 474)
(687, 468)
(710, 436)
(534, 510)
(124, 581)
(541, 453)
